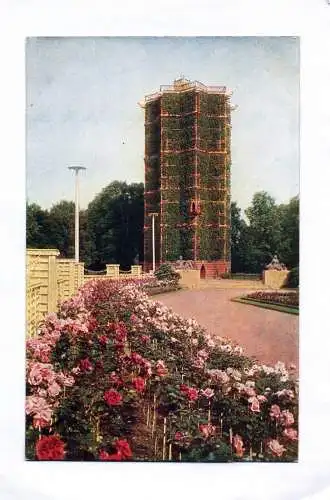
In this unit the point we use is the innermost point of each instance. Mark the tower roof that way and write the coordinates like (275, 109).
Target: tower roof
(182, 84)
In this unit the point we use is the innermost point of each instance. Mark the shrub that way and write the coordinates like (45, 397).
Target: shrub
(115, 376)
(293, 278)
(166, 273)
(225, 276)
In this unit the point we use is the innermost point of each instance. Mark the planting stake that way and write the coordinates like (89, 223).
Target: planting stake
(154, 417)
(148, 415)
(180, 456)
(220, 427)
(231, 435)
(156, 439)
(164, 439)
(97, 430)
(209, 413)
(170, 452)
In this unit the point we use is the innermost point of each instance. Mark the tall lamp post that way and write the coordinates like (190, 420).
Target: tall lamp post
(76, 201)
(153, 215)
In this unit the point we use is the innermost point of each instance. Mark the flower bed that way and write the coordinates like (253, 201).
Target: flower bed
(290, 299)
(115, 376)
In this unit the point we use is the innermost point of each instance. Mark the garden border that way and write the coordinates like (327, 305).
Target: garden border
(267, 305)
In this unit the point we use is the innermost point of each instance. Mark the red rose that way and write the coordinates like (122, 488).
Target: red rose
(145, 338)
(137, 358)
(113, 398)
(103, 339)
(178, 436)
(115, 379)
(50, 448)
(103, 455)
(92, 324)
(139, 384)
(184, 388)
(123, 448)
(86, 365)
(121, 332)
(192, 394)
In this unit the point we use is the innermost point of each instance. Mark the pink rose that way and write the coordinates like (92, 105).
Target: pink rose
(199, 363)
(275, 448)
(249, 391)
(275, 411)
(40, 372)
(287, 418)
(40, 409)
(261, 398)
(285, 393)
(203, 354)
(54, 389)
(254, 404)
(208, 392)
(207, 430)
(161, 369)
(291, 434)
(238, 445)
(66, 380)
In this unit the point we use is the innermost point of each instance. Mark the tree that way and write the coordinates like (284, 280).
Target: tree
(264, 229)
(37, 227)
(289, 225)
(61, 217)
(115, 222)
(238, 227)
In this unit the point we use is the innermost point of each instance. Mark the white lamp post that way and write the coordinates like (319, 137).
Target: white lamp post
(153, 215)
(76, 225)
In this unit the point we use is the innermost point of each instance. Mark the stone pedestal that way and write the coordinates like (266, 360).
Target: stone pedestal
(190, 278)
(275, 279)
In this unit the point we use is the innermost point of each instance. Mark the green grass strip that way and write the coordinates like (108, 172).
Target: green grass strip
(275, 307)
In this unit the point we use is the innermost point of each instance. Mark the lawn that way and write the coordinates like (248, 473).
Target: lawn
(287, 302)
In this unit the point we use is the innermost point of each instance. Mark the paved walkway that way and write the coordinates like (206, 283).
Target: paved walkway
(267, 335)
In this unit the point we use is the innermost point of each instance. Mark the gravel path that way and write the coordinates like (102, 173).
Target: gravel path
(267, 335)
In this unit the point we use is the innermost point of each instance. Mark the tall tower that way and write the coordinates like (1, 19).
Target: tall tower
(187, 175)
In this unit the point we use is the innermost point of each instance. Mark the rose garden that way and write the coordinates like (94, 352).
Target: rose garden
(115, 375)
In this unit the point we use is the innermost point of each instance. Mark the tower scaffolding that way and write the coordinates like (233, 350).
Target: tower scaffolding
(187, 173)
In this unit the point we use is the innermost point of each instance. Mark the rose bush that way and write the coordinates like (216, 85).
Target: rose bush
(116, 376)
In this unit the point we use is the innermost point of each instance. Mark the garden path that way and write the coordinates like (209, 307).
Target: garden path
(267, 335)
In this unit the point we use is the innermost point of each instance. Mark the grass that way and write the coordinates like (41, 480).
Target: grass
(267, 305)
(160, 290)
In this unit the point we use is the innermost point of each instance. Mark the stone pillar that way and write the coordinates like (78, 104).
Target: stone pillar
(136, 270)
(113, 271)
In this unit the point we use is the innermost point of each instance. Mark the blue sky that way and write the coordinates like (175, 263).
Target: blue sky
(82, 96)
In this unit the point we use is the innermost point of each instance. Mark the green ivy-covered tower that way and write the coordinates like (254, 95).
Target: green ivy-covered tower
(187, 175)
